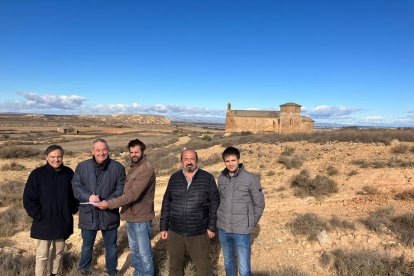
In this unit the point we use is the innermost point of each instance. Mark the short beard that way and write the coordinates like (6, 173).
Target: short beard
(135, 162)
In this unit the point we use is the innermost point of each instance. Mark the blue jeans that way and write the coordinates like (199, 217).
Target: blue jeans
(111, 258)
(139, 239)
(236, 244)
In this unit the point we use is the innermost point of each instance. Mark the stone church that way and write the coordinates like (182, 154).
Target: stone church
(287, 120)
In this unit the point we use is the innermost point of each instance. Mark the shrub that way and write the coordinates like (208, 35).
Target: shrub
(11, 193)
(399, 148)
(406, 195)
(308, 224)
(270, 173)
(18, 152)
(213, 159)
(369, 190)
(368, 263)
(352, 173)
(13, 220)
(379, 220)
(291, 162)
(15, 264)
(331, 170)
(206, 137)
(403, 226)
(318, 187)
(13, 166)
(288, 151)
(336, 222)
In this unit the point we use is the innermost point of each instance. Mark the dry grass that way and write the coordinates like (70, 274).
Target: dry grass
(281, 271)
(13, 220)
(11, 193)
(291, 162)
(12, 166)
(393, 162)
(379, 220)
(406, 195)
(369, 190)
(12, 265)
(317, 187)
(18, 152)
(331, 170)
(308, 224)
(366, 263)
(336, 222)
(399, 148)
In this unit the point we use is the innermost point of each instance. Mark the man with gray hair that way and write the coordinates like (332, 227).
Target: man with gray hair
(96, 179)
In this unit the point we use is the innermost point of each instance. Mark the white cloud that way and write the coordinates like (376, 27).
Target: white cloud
(50, 101)
(325, 111)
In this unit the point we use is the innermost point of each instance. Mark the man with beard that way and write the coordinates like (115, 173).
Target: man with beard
(241, 206)
(49, 201)
(96, 179)
(137, 208)
(188, 215)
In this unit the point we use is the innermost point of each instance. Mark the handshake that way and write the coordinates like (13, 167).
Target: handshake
(97, 202)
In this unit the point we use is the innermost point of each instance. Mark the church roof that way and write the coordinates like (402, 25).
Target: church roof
(290, 104)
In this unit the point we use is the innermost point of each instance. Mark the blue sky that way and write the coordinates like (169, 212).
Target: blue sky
(346, 62)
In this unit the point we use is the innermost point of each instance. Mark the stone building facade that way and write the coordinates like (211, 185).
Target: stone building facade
(287, 120)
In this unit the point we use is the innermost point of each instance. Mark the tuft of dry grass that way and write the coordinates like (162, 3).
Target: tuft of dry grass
(379, 220)
(399, 148)
(403, 226)
(13, 166)
(291, 162)
(308, 224)
(18, 152)
(406, 195)
(367, 263)
(11, 193)
(331, 170)
(13, 220)
(369, 190)
(317, 187)
(288, 151)
(336, 222)
(11, 264)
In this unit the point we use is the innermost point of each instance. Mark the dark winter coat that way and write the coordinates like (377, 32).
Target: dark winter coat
(107, 181)
(190, 211)
(49, 201)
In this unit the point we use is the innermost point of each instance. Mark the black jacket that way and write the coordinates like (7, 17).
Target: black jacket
(190, 211)
(49, 201)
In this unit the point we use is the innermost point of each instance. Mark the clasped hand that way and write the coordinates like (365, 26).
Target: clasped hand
(99, 204)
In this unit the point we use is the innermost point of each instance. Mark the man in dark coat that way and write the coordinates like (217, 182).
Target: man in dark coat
(48, 199)
(188, 215)
(96, 179)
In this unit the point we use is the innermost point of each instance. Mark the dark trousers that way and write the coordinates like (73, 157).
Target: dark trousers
(197, 247)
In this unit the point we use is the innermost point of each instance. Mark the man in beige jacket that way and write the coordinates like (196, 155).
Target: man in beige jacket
(137, 208)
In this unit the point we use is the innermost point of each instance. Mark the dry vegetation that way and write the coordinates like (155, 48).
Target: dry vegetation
(336, 201)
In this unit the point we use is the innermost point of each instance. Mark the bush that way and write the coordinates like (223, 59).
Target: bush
(379, 220)
(331, 170)
(13, 220)
(19, 152)
(308, 224)
(399, 148)
(13, 166)
(213, 159)
(406, 195)
(206, 137)
(318, 187)
(367, 263)
(336, 222)
(13, 264)
(369, 190)
(11, 193)
(288, 151)
(270, 173)
(403, 226)
(291, 162)
(352, 173)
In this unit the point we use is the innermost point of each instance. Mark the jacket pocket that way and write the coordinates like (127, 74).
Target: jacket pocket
(86, 215)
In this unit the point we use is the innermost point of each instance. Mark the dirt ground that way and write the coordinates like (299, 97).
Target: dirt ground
(274, 245)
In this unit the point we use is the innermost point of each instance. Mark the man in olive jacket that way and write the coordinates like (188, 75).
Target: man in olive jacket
(188, 215)
(241, 206)
(96, 179)
(137, 208)
(48, 199)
